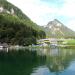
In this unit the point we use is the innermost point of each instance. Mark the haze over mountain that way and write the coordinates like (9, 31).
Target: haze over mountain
(58, 30)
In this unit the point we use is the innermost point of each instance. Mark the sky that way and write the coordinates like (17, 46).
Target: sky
(43, 11)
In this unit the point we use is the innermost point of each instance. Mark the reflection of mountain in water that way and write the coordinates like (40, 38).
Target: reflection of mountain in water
(57, 59)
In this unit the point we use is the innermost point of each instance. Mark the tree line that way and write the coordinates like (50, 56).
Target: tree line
(14, 30)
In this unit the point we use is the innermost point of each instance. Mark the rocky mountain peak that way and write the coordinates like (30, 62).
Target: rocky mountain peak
(57, 29)
(54, 23)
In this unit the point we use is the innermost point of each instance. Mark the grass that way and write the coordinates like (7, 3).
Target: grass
(70, 42)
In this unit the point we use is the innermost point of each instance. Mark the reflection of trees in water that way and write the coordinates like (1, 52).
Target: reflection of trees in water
(19, 62)
(59, 59)
(23, 62)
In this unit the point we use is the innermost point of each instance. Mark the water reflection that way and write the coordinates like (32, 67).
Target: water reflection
(58, 61)
(43, 61)
(19, 62)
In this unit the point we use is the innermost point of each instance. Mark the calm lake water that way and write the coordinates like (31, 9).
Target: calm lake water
(42, 61)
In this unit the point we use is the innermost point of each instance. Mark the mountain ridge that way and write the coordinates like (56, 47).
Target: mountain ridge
(10, 8)
(58, 30)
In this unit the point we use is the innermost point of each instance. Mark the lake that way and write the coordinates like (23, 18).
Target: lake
(41, 61)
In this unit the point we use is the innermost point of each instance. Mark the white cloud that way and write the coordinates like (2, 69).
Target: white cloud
(68, 11)
(71, 24)
(68, 8)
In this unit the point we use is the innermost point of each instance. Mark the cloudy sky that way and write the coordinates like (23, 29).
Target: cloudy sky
(43, 11)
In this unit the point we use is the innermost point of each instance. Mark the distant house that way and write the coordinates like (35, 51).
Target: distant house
(3, 45)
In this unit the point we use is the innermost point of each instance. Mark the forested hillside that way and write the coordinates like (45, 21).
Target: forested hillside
(8, 7)
(16, 27)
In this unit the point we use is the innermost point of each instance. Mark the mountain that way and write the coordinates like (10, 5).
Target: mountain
(16, 27)
(58, 30)
(6, 7)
